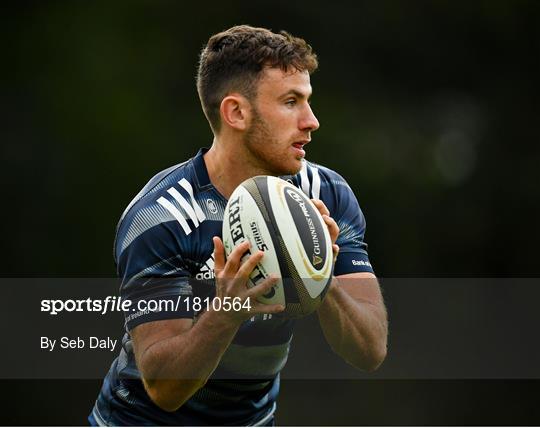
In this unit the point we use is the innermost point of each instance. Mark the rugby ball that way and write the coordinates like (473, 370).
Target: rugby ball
(280, 220)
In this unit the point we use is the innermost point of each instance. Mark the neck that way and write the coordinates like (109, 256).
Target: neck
(228, 166)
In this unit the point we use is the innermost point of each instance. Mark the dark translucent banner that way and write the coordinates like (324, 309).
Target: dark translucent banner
(441, 328)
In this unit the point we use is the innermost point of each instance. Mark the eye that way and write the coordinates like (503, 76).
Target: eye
(291, 102)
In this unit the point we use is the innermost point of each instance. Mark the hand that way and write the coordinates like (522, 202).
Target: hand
(231, 281)
(333, 228)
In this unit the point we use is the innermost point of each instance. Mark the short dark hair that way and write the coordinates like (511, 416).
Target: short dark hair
(232, 61)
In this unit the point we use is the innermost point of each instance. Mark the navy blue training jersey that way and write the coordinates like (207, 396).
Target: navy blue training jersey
(163, 251)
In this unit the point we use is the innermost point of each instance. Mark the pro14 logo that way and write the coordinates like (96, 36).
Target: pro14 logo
(207, 271)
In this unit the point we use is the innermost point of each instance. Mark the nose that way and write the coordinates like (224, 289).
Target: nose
(308, 121)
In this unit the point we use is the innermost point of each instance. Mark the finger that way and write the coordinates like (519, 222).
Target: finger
(260, 308)
(333, 228)
(335, 250)
(321, 206)
(247, 267)
(233, 261)
(262, 288)
(330, 221)
(219, 254)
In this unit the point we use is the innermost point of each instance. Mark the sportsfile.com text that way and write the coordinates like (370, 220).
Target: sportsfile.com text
(117, 304)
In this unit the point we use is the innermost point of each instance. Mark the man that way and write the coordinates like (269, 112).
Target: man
(182, 366)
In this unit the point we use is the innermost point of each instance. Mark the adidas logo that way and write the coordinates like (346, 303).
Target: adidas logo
(207, 271)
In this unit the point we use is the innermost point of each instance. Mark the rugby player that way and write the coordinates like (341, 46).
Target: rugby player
(191, 366)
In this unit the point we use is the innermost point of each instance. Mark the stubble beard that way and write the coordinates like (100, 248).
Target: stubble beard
(260, 143)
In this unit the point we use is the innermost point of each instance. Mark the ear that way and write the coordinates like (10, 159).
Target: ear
(234, 111)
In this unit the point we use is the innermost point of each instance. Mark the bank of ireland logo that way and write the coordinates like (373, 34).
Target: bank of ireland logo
(207, 271)
(361, 263)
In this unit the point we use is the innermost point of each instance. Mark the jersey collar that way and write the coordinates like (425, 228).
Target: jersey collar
(203, 179)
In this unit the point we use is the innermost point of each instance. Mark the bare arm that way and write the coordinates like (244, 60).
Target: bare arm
(352, 315)
(176, 357)
(354, 322)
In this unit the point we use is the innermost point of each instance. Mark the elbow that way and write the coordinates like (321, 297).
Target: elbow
(163, 401)
(375, 359)
(167, 394)
(370, 360)
(171, 395)
(377, 351)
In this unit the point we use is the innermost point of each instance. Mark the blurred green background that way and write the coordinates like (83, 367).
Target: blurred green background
(430, 110)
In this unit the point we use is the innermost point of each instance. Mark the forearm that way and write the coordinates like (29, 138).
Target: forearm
(175, 368)
(356, 329)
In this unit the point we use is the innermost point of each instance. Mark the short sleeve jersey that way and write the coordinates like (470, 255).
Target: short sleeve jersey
(164, 252)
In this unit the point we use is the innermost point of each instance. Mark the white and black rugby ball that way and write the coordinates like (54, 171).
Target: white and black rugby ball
(280, 220)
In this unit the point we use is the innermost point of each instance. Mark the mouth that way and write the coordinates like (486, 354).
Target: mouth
(299, 147)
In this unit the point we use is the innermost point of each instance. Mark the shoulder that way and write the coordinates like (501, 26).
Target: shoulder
(151, 207)
(320, 182)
